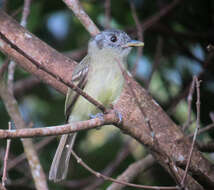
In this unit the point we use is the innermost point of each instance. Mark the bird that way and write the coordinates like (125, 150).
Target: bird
(100, 76)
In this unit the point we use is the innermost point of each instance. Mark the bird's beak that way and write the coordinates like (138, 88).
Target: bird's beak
(133, 43)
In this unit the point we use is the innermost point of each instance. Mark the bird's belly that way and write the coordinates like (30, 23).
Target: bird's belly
(105, 86)
(108, 86)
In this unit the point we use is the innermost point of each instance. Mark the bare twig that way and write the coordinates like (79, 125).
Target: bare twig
(10, 79)
(4, 67)
(204, 129)
(196, 130)
(206, 147)
(156, 60)
(25, 13)
(140, 37)
(121, 155)
(59, 78)
(12, 65)
(22, 157)
(185, 91)
(97, 174)
(189, 99)
(79, 12)
(77, 54)
(107, 13)
(78, 183)
(163, 12)
(110, 118)
(132, 171)
(124, 73)
(171, 165)
(13, 110)
(4, 176)
(25, 85)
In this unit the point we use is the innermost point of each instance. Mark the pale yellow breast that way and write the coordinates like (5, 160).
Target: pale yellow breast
(105, 84)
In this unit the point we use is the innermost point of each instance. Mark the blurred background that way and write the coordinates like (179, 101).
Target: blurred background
(179, 39)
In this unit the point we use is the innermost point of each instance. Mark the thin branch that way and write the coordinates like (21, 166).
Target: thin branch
(132, 171)
(171, 164)
(189, 99)
(196, 130)
(206, 147)
(25, 13)
(25, 85)
(124, 73)
(33, 160)
(3, 67)
(204, 129)
(17, 160)
(121, 155)
(56, 76)
(78, 183)
(157, 59)
(140, 37)
(77, 54)
(163, 12)
(10, 77)
(12, 65)
(12, 108)
(107, 13)
(4, 176)
(185, 91)
(79, 12)
(110, 118)
(97, 174)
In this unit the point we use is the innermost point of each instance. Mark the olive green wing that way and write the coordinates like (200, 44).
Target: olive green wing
(79, 79)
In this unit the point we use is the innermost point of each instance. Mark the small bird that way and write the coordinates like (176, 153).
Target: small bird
(100, 76)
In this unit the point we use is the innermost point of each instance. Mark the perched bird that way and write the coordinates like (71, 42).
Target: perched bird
(100, 76)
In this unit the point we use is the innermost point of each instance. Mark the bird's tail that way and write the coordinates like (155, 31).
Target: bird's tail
(59, 166)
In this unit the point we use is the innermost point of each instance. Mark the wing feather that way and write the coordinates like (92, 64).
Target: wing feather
(79, 79)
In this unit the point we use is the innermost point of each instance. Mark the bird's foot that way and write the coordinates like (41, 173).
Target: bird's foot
(98, 115)
(120, 117)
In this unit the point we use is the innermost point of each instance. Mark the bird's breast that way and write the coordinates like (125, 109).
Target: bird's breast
(106, 80)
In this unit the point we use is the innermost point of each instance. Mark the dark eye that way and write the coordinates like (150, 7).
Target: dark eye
(113, 38)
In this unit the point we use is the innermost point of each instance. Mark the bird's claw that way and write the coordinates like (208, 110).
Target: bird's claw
(98, 115)
(120, 117)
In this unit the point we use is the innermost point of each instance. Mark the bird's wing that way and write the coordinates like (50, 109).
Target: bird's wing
(79, 79)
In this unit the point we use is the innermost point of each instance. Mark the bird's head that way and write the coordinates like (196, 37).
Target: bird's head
(114, 41)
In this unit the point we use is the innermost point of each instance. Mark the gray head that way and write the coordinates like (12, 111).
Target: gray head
(113, 40)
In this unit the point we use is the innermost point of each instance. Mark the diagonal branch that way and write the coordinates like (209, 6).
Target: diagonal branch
(5, 39)
(79, 12)
(33, 160)
(172, 141)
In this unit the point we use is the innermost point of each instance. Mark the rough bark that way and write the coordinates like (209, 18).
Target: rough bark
(165, 140)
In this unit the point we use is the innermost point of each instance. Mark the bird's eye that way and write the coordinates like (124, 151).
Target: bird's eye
(113, 38)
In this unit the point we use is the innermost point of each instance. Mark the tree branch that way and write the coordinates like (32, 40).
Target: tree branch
(110, 118)
(79, 12)
(132, 171)
(33, 160)
(171, 140)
